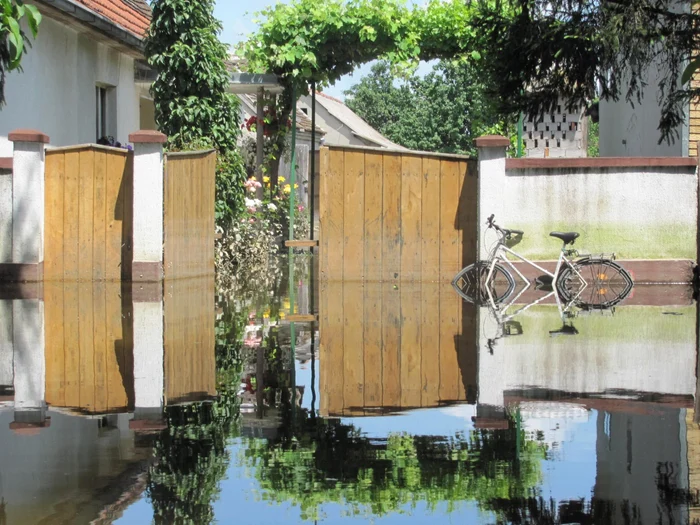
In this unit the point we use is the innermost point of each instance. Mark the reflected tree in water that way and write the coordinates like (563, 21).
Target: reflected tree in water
(190, 457)
(326, 461)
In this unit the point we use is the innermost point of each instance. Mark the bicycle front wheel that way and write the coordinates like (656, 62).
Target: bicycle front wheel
(607, 283)
(470, 283)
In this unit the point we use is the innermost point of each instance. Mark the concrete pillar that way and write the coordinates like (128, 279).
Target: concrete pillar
(148, 362)
(148, 205)
(28, 196)
(29, 365)
(6, 349)
(492, 179)
(6, 210)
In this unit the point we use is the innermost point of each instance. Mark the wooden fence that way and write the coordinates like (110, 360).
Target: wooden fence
(189, 214)
(384, 349)
(395, 216)
(89, 347)
(88, 213)
(190, 360)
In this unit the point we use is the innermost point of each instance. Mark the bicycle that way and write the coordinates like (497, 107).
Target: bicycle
(607, 284)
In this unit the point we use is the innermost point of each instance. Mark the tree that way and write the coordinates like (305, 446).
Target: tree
(443, 112)
(541, 50)
(13, 40)
(192, 105)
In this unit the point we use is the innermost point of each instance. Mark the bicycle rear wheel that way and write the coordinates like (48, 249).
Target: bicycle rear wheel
(470, 283)
(608, 283)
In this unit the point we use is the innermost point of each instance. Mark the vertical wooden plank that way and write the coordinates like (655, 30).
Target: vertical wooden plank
(391, 218)
(55, 345)
(373, 395)
(85, 213)
(323, 211)
(99, 220)
(332, 350)
(71, 195)
(430, 220)
(410, 345)
(468, 212)
(373, 216)
(86, 347)
(430, 344)
(449, 235)
(449, 333)
(167, 218)
(100, 346)
(127, 248)
(115, 208)
(467, 352)
(53, 212)
(71, 337)
(411, 166)
(335, 214)
(119, 347)
(353, 344)
(391, 346)
(354, 220)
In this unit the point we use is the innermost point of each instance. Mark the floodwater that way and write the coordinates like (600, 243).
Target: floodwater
(344, 403)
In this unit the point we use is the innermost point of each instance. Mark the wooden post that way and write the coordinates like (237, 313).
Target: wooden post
(260, 140)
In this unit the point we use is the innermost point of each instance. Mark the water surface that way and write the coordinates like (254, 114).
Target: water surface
(346, 403)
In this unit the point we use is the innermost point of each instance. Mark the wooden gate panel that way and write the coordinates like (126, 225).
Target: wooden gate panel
(87, 214)
(189, 205)
(395, 216)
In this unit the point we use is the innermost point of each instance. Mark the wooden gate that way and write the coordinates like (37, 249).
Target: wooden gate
(87, 214)
(189, 214)
(396, 215)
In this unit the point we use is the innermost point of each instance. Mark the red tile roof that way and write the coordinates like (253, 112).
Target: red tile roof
(132, 15)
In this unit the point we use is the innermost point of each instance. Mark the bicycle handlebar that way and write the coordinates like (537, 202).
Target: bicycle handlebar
(491, 224)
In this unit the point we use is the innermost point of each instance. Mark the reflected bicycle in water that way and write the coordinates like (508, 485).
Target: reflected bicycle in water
(583, 280)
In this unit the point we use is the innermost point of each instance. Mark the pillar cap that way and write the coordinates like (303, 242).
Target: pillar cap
(28, 135)
(148, 136)
(492, 141)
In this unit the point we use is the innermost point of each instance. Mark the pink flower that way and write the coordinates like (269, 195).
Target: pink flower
(252, 210)
(251, 220)
(300, 208)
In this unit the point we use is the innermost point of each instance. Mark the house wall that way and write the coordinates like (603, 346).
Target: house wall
(55, 92)
(628, 130)
(636, 212)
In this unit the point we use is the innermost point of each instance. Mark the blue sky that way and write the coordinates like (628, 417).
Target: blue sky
(237, 17)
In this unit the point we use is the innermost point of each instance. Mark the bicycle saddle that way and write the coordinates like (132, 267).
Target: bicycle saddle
(566, 237)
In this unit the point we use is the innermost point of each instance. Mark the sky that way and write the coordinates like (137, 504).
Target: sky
(237, 17)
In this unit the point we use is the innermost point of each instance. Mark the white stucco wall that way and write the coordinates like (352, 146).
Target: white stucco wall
(636, 213)
(55, 92)
(630, 130)
(610, 353)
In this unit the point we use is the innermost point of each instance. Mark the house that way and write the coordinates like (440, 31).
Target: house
(631, 129)
(342, 125)
(79, 80)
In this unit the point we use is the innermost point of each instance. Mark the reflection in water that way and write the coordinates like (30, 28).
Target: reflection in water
(140, 405)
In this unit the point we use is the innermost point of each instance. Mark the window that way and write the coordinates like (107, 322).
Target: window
(100, 112)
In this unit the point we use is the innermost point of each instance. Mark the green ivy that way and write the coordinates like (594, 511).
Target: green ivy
(13, 40)
(192, 105)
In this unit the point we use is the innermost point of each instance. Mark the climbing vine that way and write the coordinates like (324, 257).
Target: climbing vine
(319, 41)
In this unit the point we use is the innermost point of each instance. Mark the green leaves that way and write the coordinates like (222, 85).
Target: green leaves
(192, 104)
(13, 41)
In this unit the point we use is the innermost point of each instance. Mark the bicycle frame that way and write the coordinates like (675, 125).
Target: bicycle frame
(499, 254)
